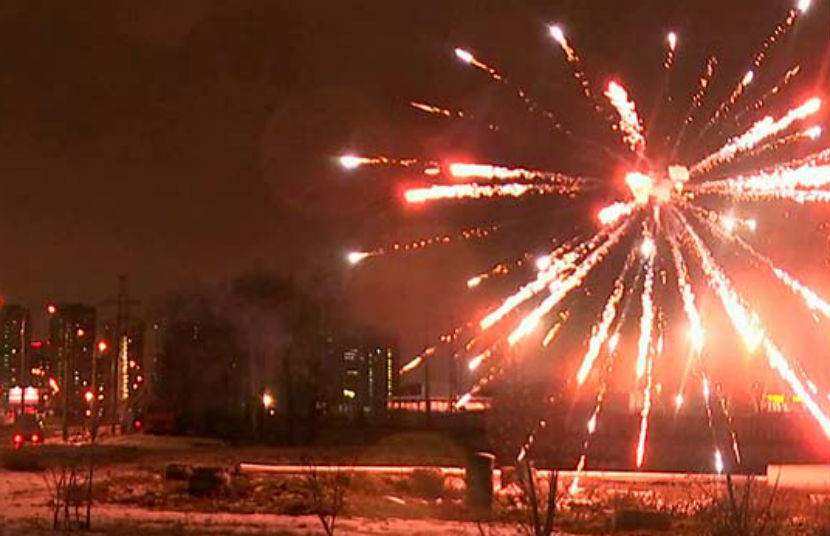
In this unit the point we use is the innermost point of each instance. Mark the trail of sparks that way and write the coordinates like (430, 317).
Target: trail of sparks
(499, 269)
(726, 106)
(559, 262)
(733, 435)
(561, 287)
(727, 222)
(355, 257)
(811, 300)
(810, 134)
(351, 161)
(573, 59)
(614, 212)
(759, 103)
(760, 131)
(645, 413)
(647, 300)
(530, 104)
(629, 125)
(779, 180)
(671, 46)
(490, 172)
(601, 331)
(591, 427)
(707, 402)
(748, 325)
(780, 31)
(702, 88)
(474, 190)
(448, 113)
(697, 337)
(704, 82)
(436, 110)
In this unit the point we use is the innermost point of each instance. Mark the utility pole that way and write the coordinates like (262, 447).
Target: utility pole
(119, 349)
(22, 379)
(66, 361)
(122, 319)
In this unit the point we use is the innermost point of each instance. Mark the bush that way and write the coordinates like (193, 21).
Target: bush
(427, 483)
(636, 520)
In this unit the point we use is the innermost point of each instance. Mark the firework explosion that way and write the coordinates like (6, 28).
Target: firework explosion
(661, 213)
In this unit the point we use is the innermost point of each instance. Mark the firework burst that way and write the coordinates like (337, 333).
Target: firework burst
(660, 214)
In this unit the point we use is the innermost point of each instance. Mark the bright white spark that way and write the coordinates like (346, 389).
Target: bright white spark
(351, 161)
(672, 40)
(355, 257)
(464, 56)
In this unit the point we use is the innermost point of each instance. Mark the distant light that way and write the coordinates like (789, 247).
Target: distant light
(88, 396)
(672, 39)
(464, 56)
(804, 5)
(80, 332)
(592, 424)
(102, 347)
(557, 34)
(748, 78)
(729, 223)
(348, 393)
(267, 401)
(752, 225)
(474, 281)
(355, 257)
(648, 248)
(678, 401)
(543, 263)
(51, 309)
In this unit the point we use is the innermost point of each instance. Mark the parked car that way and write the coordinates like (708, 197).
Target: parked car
(27, 429)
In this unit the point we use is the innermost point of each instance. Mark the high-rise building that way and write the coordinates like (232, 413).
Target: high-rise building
(72, 342)
(369, 376)
(122, 365)
(15, 323)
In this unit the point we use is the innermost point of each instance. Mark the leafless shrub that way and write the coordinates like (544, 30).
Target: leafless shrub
(746, 509)
(327, 487)
(534, 507)
(67, 485)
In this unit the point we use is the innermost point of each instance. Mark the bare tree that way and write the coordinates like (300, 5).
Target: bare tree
(745, 510)
(538, 503)
(327, 487)
(69, 487)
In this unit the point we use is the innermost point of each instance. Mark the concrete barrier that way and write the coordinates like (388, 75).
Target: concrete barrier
(803, 477)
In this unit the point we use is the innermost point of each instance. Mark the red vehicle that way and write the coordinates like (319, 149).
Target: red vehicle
(27, 429)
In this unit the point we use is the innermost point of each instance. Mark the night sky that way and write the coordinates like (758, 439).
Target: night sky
(187, 142)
